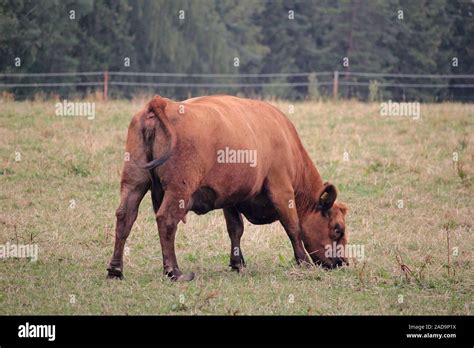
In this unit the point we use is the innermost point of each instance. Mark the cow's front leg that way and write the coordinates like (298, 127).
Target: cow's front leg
(235, 228)
(167, 218)
(283, 198)
(126, 214)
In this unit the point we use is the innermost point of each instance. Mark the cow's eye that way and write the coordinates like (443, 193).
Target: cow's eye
(338, 230)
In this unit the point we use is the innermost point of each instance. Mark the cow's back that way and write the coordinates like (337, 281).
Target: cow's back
(206, 126)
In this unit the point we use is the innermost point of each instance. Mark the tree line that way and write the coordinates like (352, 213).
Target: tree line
(244, 36)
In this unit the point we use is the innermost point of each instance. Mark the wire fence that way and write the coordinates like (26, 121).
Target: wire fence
(323, 80)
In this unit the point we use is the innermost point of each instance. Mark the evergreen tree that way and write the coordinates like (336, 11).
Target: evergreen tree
(207, 36)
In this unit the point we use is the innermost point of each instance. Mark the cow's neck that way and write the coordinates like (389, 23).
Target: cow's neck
(308, 186)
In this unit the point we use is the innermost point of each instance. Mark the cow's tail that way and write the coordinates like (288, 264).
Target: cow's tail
(157, 106)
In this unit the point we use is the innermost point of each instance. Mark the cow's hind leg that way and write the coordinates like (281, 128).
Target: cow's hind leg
(131, 196)
(169, 214)
(235, 228)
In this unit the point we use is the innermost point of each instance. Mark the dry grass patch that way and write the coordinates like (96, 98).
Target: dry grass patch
(388, 160)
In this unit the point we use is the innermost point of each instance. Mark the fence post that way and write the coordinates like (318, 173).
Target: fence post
(335, 85)
(106, 84)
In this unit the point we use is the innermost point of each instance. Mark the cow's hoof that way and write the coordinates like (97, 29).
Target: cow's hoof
(237, 265)
(237, 268)
(184, 277)
(176, 276)
(114, 273)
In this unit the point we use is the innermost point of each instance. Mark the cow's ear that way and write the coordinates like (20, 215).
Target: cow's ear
(327, 197)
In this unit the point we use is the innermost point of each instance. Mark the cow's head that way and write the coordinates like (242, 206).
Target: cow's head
(324, 229)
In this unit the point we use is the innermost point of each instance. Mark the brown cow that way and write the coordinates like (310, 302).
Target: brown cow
(222, 152)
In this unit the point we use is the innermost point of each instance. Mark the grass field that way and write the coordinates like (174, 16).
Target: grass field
(63, 192)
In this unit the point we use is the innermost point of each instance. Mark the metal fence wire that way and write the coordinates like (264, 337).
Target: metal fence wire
(330, 83)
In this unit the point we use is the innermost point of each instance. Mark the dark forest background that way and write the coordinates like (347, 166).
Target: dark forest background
(260, 33)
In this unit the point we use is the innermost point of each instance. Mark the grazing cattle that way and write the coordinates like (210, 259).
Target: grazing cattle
(222, 152)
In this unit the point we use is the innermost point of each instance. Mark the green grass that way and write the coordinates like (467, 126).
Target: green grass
(390, 159)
